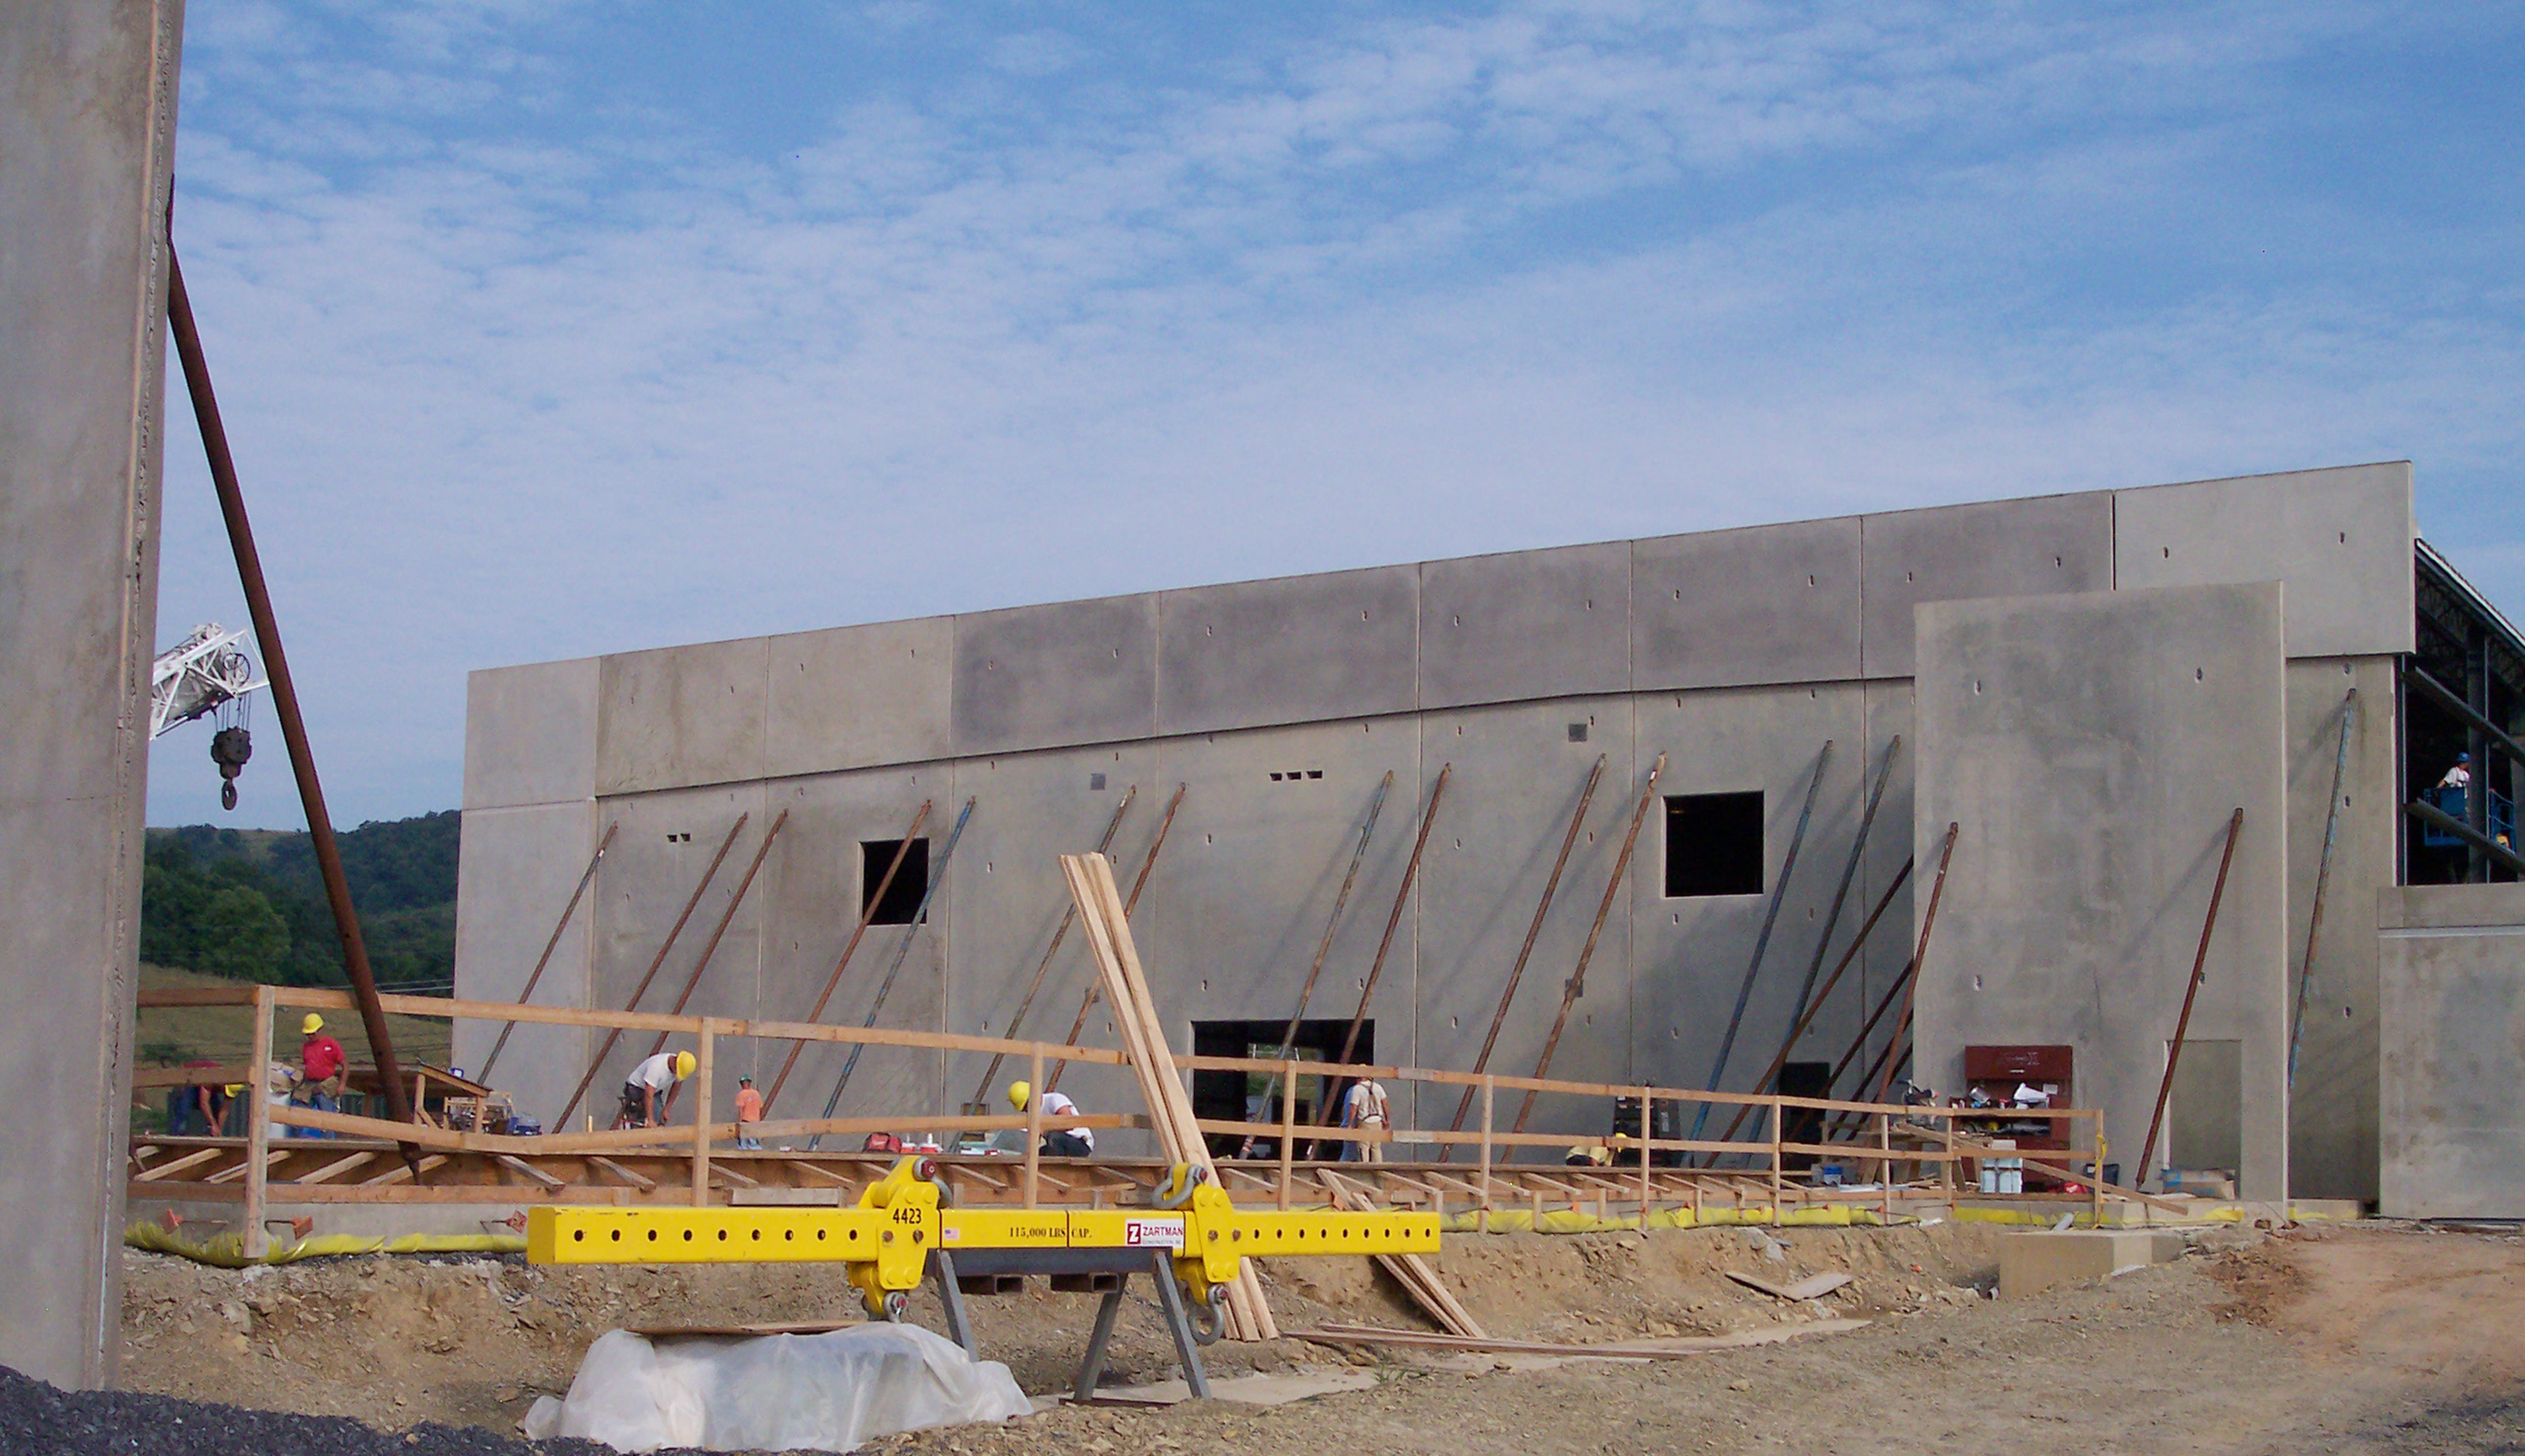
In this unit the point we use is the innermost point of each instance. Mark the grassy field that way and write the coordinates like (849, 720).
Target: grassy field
(172, 1036)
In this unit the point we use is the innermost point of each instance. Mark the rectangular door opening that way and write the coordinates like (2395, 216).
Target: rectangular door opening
(1255, 1097)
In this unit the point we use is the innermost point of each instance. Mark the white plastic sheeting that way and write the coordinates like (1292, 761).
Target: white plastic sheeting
(774, 1392)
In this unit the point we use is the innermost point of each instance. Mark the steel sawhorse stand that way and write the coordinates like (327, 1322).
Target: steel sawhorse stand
(1106, 1271)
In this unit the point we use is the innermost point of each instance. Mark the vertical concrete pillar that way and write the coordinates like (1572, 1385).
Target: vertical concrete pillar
(87, 116)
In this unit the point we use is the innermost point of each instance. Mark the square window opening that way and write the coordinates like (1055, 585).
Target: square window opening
(1714, 845)
(911, 882)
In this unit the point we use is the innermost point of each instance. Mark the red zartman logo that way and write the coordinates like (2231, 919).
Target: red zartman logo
(1152, 1233)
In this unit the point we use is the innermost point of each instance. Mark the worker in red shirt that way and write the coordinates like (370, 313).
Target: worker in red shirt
(321, 1070)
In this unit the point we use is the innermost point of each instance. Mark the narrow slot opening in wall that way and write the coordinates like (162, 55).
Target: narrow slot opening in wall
(1803, 1123)
(1714, 844)
(911, 882)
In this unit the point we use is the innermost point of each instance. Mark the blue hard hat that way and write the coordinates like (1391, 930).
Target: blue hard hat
(2463, 758)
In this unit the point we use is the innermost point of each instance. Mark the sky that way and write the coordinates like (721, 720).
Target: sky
(543, 330)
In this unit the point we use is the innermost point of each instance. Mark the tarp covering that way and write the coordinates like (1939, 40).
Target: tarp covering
(774, 1392)
(227, 1250)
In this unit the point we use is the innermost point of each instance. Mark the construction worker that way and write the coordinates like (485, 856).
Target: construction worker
(749, 1111)
(1068, 1142)
(1364, 1106)
(322, 1071)
(210, 1105)
(649, 1093)
(2460, 776)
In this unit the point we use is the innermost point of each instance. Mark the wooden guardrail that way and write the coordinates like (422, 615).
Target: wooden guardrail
(1934, 1135)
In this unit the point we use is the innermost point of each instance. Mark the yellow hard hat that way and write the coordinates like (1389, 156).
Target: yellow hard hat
(1019, 1094)
(312, 1025)
(684, 1063)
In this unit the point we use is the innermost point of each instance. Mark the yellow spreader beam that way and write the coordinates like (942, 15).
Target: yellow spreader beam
(887, 1238)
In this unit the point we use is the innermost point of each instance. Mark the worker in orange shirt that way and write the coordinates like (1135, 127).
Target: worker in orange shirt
(749, 1111)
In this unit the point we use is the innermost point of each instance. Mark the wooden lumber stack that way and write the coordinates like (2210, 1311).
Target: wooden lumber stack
(1126, 991)
(1410, 1270)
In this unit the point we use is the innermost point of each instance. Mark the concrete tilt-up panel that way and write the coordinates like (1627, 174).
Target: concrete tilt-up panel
(2093, 749)
(2452, 975)
(87, 117)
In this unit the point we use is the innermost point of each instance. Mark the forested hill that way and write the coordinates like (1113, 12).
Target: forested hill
(248, 903)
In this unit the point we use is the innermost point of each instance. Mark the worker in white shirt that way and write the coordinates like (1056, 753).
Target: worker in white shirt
(1363, 1106)
(1063, 1142)
(649, 1093)
(2460, 776)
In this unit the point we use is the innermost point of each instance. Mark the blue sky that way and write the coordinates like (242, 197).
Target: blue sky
(550, 329)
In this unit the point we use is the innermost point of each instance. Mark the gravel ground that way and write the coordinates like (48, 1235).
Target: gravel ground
(37, 1417)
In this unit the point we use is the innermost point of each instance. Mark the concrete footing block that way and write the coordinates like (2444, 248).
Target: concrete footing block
(2032, 1262)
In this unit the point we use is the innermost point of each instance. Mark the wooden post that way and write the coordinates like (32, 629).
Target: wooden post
(1034, 1127)
(1648, 1131)
(1489, 1089)
(1774, 1110)
(2096, 1179)
(1289, 1122)
(701, 1107)
(258, 1125)
(1946, 1169)
(1885, 1164)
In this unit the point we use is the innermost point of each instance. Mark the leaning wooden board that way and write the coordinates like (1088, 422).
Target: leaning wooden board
(1410, 1270)
(1090, 877)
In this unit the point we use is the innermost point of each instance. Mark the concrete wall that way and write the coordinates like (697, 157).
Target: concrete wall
(2333, 1100)
(87, 104)
(1736, 653)
(2453, 1018)
(530, 824)
(2091, 748)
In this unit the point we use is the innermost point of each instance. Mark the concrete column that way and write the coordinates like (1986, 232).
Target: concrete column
(87, 113)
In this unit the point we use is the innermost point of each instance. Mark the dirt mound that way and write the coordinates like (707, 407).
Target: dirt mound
(2262, 1281)
(473, 1340)
(2367, 1341)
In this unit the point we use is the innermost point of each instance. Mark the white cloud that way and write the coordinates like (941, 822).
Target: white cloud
(1547, 274)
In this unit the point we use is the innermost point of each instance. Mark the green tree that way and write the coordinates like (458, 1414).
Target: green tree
(239, 934)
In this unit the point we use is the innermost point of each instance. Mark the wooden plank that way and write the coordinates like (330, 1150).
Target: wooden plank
(522, 1166)
(442, 1008)
(1814, 1286)
(1101, 913)
(1663, 1349)
(258, 1127)
(174, 1166)
(607, 1165)
(337, 1166)
(702, 1110)
(677, 1140)
(201, 996)
(149, 1078)
(1817, 1286)
(403, 1172)
(733, 1177)
(1411, 1270)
